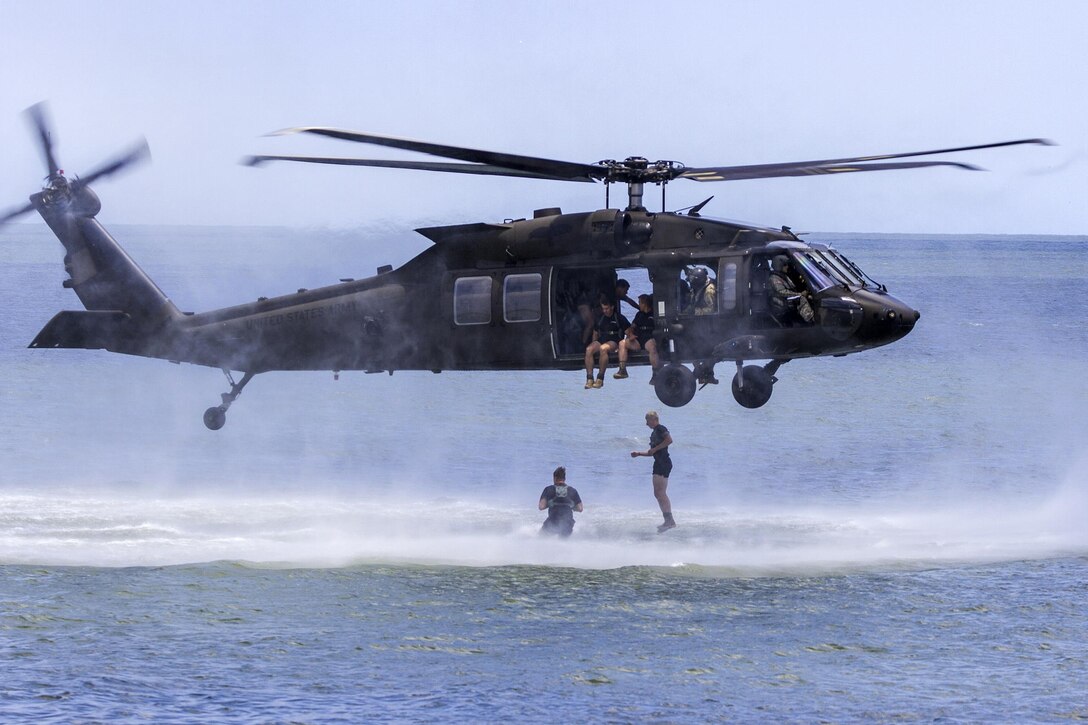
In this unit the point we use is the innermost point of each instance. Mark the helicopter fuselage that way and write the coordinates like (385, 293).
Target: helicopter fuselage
(497, 297)
(503, 296)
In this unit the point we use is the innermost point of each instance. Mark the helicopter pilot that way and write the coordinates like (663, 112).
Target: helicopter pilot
(789, 300)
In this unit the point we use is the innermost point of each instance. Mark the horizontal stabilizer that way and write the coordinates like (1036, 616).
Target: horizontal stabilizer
(442, 234)
(91, 330)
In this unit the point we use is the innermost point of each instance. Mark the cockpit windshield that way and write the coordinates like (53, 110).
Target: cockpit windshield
(825, 268)
(863, 279)
(839, 269)
(815, 273)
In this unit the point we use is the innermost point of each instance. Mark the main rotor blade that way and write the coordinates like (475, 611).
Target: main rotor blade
(484, 169)
(138, 152)
(14, 213)
(802, 168)
(884, 157)
(735, 173)
(565, 170)
(36, 114)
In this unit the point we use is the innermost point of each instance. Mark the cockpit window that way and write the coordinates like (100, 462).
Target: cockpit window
(839, 270)
(866, 280)
(817, 277)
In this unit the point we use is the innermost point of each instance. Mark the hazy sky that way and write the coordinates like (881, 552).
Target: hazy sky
(705, 83)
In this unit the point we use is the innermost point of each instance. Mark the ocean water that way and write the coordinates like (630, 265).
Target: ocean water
(897, 535)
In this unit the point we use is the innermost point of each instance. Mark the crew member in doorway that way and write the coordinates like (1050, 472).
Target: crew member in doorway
(703, 294)
(622, 289)
(561, 501)
(660, 440)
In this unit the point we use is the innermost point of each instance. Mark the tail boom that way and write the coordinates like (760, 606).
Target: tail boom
(100, 272)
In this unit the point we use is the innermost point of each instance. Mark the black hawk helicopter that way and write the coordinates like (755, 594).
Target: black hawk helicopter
(500, 296)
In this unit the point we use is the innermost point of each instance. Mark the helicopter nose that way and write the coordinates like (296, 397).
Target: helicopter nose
(886, 319)
(896, 319)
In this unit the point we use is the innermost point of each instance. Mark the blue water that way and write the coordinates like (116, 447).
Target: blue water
(897, 535)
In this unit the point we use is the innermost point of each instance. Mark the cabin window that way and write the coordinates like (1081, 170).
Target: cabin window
(727, 287)
(521, 298)
(472, 301)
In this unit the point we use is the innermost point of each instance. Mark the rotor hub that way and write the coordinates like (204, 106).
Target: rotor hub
(639, 170)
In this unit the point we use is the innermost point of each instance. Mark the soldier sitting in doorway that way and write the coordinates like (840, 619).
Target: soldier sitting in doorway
(640, 336)
(610, 329)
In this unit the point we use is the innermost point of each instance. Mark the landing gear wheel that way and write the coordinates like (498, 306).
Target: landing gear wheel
(752, 386)
(215, 417)
(674, 385)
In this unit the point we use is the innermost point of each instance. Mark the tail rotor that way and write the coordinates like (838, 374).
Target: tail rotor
(58, 191)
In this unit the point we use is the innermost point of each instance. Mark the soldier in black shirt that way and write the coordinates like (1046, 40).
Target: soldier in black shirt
(640, 336)
(660, 440)
(561, 501)
(606, 338)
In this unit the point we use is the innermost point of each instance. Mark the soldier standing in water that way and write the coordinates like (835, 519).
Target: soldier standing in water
(561, 501)
(660, 440)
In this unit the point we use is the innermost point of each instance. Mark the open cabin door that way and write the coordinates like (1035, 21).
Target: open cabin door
(576, 303)
(693, 317)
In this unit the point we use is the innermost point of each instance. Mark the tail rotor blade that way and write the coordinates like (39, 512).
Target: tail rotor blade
(136, 154)
(15, 213)
(36, 114)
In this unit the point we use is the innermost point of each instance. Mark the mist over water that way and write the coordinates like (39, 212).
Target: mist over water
(75, 528)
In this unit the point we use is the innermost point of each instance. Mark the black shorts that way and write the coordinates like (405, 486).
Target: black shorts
(662, 468)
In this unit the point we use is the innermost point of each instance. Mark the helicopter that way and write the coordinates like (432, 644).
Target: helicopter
(514, 295)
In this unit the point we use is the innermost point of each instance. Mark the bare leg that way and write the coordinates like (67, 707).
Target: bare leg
(590, 353)
(661, 483)
(651, 348)
(602, 359)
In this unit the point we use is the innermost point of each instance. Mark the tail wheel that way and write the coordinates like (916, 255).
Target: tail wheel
(674, 385)
(215, 417)
(752, 386)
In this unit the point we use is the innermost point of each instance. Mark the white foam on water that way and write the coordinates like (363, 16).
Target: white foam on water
(114, 529)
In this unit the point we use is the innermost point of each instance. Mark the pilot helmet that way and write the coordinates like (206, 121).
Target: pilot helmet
(780, 262)
(697, 276)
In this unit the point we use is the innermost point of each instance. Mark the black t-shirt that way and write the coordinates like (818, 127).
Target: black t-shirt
(560, 504)
(644, 326)
(657, 436)
(611, 328)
